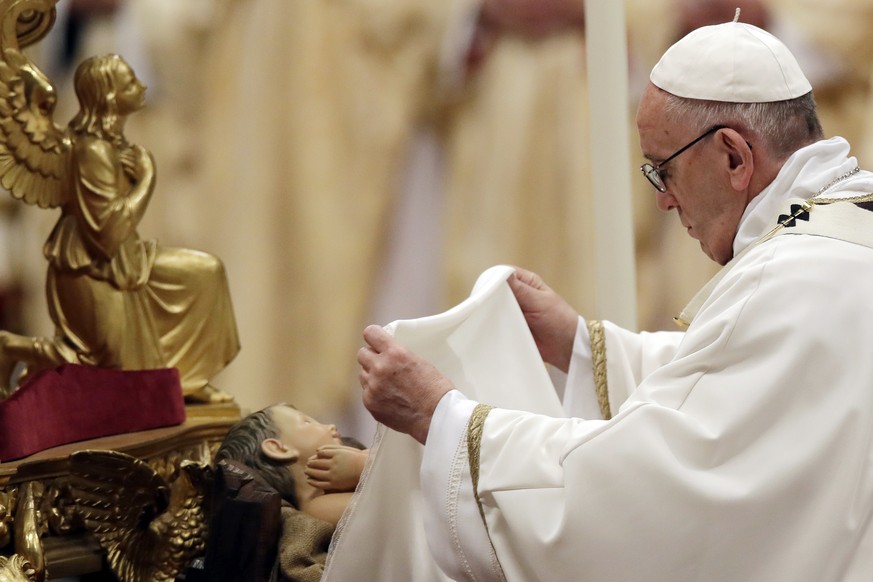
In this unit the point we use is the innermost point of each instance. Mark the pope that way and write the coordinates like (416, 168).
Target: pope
(738, 449)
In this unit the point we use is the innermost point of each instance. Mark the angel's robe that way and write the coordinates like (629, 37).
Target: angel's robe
(119, 301)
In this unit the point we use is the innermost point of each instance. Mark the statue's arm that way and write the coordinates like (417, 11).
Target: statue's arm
(113, 191)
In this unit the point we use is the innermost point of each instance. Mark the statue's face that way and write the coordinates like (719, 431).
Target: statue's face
(302, 432)
(129, 92)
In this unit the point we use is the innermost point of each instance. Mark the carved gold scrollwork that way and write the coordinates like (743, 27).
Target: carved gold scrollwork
(32, 20)
(32, 25)
(167, 466)
(28, 527)
(7, 502)
(16, 569)
(59, 508)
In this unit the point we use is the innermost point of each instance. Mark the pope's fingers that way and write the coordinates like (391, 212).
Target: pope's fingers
(523, 277)
(377, 338)
(365, 356)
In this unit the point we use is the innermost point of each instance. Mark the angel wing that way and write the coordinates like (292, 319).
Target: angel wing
(33, 149)
(149, 529)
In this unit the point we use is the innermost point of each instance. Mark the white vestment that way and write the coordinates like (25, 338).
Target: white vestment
(741, 449)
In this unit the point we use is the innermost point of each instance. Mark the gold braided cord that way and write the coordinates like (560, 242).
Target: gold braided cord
(852, 199)
(474, 445)
(597, 338)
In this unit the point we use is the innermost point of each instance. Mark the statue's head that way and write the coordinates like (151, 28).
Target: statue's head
(107, 89)
(244, 443)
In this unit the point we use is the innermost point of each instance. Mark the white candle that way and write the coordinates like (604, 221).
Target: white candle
(606, 46)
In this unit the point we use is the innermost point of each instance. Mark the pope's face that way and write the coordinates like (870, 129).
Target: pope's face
(697, 189)
(301, 432)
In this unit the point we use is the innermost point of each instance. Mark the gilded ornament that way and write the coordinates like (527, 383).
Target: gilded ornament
(16, 569)
(29, 527)
(7, 498)
(149, 528)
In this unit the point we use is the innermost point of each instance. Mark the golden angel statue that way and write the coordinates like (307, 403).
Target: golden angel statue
(116, 300)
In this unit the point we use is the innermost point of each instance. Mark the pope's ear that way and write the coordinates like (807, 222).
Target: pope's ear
(275, 449)
(740, 161)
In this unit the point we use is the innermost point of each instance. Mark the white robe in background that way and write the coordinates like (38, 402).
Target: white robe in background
(739, 450)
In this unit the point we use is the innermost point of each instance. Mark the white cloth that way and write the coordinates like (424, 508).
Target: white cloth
(745, 448)
(484, 346)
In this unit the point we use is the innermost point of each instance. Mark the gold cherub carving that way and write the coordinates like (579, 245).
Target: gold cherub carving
(116, 300)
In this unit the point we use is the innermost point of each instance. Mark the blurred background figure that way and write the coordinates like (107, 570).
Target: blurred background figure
(371, 160)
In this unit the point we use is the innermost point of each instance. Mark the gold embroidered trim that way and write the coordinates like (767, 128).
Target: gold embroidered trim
(597, 338)
(474, 445)
(852, 199)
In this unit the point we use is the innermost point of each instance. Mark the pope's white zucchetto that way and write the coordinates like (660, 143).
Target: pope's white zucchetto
(733, 62)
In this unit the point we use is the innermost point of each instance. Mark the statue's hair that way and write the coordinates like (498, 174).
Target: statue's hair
(243, 444)
(782, 127)
(96, 87)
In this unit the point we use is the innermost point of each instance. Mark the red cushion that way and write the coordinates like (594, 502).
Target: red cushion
(74, 403)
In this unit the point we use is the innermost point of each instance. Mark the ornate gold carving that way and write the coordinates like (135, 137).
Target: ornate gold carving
(68, 547)
(29, 527)
(168, 466)
(150, 529)
(7, 499)
(58, 508)
(597, 338)
(16, 569)
(33, 19)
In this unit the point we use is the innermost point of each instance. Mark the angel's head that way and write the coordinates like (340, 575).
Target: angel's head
(108, 91)
(272, 440)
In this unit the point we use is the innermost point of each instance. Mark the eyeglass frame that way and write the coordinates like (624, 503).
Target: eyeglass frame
(653, 172)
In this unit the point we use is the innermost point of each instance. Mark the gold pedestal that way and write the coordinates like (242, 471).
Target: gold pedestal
(37, 516)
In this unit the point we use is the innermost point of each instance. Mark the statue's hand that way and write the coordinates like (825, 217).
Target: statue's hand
(137, 163)
(335, 467)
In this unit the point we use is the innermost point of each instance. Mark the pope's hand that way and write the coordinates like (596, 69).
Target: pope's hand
(400, 389)
(550, 318)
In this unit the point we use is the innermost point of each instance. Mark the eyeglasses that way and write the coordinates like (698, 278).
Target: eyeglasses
(653, 173)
